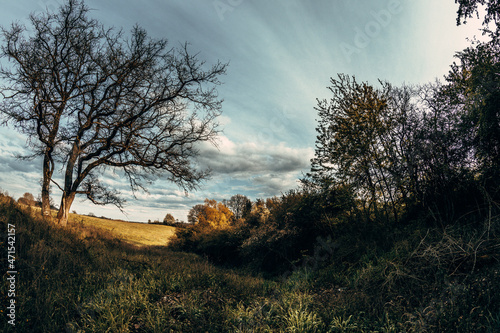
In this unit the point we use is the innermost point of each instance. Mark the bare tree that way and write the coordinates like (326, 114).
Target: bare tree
(95, 101)
(194, 213)
(240, 205)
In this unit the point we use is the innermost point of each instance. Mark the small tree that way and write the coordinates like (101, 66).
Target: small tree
(27, 199)
(193, 214)
(95, 101)
(259, 213)
(354, 141)
(169, 219)
(212, 214)
(240, 205)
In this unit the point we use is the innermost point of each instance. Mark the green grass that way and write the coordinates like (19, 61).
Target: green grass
(85, 279)
(98, 283)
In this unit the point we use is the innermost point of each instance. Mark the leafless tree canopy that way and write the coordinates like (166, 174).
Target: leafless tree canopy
(93, 99)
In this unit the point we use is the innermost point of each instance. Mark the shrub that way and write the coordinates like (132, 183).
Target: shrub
(275, 236)
(219, 245)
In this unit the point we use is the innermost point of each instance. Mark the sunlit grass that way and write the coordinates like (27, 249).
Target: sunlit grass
(139, 234)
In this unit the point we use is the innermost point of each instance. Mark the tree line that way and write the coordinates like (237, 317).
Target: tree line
(386, 157)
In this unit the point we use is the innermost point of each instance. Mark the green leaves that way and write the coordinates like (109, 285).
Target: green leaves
(356, 137)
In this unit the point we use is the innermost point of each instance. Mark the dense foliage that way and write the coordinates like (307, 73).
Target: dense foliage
(386, 158)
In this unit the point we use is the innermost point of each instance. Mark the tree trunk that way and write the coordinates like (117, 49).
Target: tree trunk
(47, 175)
(63, 213)
(69, 187)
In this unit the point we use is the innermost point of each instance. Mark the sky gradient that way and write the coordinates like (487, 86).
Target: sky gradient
(281, 57)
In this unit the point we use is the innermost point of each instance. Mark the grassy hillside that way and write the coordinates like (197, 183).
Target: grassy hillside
(84, 279)
(140, 234)
(368, 274)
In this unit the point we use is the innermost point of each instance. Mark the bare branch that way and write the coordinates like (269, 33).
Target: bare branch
(96, 100)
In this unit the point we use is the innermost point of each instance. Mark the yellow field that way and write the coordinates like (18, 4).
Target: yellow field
(139, 234)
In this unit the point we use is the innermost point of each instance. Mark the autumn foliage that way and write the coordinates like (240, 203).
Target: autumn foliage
(214, 214)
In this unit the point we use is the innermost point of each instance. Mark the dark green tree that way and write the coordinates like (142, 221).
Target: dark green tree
(474, 84)
(471, 8)
(358, 145)
(474, 87)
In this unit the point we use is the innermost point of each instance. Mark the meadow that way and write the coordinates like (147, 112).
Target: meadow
(396, 228)
(97, 276)
(135, 233)
(87, 279)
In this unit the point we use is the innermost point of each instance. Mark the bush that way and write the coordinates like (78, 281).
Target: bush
(275, 236)
(219, 245)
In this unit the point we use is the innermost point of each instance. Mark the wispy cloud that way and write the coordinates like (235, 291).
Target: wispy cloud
(281, 54)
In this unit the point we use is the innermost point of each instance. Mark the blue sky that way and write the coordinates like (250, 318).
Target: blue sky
(281, 56)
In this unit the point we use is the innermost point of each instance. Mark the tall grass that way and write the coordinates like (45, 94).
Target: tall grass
(96, 283)
(421, 280)
(365, 276)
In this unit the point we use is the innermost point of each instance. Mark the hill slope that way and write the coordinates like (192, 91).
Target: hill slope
(84, 279)
(140, 234)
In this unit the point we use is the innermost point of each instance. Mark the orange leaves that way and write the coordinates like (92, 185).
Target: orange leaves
(215, 214)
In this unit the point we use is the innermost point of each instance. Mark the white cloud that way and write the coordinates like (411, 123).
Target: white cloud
(281, 55)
